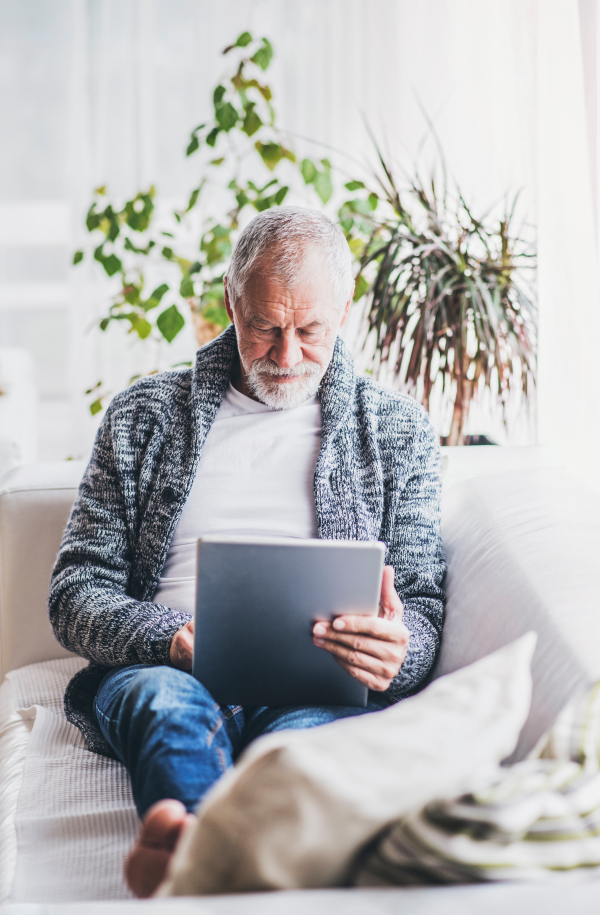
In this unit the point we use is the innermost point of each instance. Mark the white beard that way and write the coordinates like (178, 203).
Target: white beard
(290, 394)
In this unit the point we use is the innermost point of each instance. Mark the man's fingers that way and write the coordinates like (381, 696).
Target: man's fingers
(376, 648)
(384, 668)
(182, 647)
(370, 680)
(376, 626)
(390, 605)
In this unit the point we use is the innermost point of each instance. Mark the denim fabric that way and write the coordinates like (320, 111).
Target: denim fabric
(176, 741)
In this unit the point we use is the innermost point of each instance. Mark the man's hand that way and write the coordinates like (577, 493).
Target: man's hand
(372, 649)
(182, 647)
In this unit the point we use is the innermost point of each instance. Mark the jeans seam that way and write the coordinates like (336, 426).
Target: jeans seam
(213, 731)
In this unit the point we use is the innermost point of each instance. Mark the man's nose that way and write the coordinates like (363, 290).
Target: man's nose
(287, 352)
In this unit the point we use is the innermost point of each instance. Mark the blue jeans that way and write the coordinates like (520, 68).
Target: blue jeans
(176, 741)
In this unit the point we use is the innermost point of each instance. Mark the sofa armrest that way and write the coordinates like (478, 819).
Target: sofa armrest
(35, 503)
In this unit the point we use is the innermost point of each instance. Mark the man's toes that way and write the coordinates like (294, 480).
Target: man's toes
(162, 825)
(145, 869)
(146, 866)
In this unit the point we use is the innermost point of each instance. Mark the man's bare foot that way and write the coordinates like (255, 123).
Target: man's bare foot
(147, 862)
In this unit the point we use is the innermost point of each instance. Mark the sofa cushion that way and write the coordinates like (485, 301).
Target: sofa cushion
(522, 550)
(35, 503)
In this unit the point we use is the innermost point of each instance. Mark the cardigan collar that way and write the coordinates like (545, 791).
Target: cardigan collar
(213, 370)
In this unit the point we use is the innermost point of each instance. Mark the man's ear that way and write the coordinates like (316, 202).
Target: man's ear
(346, 312)
(227, 302)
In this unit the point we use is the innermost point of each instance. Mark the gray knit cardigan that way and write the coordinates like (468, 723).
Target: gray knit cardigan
(377, 478)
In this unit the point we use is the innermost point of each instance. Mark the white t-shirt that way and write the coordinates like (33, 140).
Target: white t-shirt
(254, 477)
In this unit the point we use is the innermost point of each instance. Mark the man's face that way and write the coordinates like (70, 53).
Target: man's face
(286, 336)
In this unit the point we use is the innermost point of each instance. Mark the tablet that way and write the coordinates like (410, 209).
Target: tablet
(256, 603)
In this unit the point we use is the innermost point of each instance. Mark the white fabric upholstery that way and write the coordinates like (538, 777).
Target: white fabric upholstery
(35, 503)
(65, 836)
(14, 739)
(556, 899)
(522, 551)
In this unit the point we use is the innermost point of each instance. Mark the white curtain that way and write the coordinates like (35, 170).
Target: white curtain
(106, 91)
(568, 280)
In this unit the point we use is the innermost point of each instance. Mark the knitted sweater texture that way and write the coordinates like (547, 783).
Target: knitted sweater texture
(377, 478)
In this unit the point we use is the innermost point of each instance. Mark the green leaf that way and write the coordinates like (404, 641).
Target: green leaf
(244, 40)
(170, 322)
(113, 229)
(354, 185)
(167, 253)
(96, 406)
(309, 171)
(155, 297)
(218, 95)
(193, 199)
(264, 55)
(186, 289)
(326, 163)
(252, 122)
(323, 186)
(281, 195)
(93, 219)
(270, 153)
(112, 264)
(77, 257)
(226, 116)
(217, 161)
(212, 137)
(159, 292)
(103, 325)
(138, 212)
(193, 145)
(131, 294)
(143, 328)
(361, 287)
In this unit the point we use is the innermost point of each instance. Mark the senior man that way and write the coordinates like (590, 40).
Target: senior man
(271, 433)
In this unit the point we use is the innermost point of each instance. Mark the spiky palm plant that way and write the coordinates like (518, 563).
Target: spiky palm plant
(451, 290)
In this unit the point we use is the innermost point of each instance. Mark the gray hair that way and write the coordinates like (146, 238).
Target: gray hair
(287, 231)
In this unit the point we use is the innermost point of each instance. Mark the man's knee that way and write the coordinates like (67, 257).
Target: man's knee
(154, 689)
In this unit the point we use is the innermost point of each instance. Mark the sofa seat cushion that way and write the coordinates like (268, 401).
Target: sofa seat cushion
(68, 817)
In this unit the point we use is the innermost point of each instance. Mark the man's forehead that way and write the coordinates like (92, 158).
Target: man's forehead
(266, 296)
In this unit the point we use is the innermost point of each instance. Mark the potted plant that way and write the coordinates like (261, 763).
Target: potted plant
(445, 291)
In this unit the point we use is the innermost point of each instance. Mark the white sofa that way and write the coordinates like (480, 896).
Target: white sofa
(522, 541)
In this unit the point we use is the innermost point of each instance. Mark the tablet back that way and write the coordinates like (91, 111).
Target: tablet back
(256, 603)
